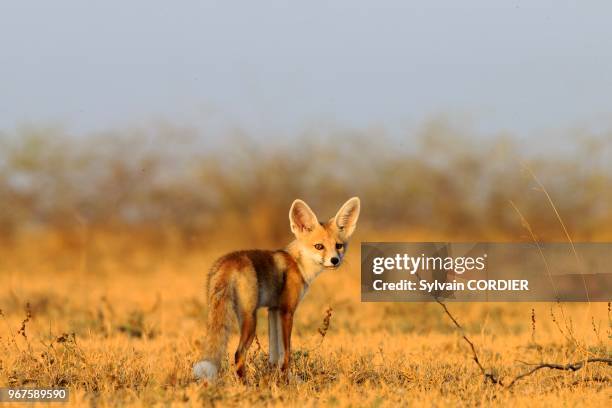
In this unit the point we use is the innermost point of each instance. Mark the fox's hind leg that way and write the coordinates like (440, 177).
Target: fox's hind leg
(247, 334)
(245, 306)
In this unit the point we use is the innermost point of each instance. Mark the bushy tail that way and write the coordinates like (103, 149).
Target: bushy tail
(219, 309)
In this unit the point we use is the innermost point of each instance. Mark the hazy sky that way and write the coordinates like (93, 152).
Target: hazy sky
(521, 66)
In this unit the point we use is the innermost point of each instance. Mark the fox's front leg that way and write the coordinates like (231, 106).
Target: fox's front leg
(275, 335)
(287, 324)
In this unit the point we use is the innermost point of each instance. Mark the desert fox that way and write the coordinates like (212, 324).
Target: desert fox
(241, 282)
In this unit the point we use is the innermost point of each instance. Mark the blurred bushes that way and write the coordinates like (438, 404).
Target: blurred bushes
(167, 182)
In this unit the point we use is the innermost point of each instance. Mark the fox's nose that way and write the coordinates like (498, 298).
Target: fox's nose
(334, 260)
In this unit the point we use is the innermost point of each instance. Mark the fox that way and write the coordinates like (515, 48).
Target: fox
(241, 282)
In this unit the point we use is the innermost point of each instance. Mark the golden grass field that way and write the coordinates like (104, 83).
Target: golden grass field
(122, 325)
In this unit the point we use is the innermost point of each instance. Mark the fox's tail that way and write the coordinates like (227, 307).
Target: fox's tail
(219, 317)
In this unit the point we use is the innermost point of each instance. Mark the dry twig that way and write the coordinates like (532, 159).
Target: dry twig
(566, 367)
(488, 376)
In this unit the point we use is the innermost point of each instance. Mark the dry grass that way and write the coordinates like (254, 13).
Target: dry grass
(124, 327)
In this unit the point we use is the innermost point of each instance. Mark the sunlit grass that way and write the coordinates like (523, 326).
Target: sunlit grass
(131, 335)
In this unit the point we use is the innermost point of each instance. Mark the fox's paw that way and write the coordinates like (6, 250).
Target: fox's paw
(205, 370)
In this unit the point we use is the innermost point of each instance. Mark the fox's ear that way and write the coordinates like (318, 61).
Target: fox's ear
(346, 218)
(301, 218)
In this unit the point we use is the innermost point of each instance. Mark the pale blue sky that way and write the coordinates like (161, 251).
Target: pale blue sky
(520, 66)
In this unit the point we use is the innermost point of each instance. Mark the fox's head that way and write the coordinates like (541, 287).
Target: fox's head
(323, 243)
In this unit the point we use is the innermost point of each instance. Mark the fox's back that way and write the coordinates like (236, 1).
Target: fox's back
(256, 276)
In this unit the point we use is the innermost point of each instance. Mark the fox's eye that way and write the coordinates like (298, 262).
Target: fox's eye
(319, 247)
(339, 246)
